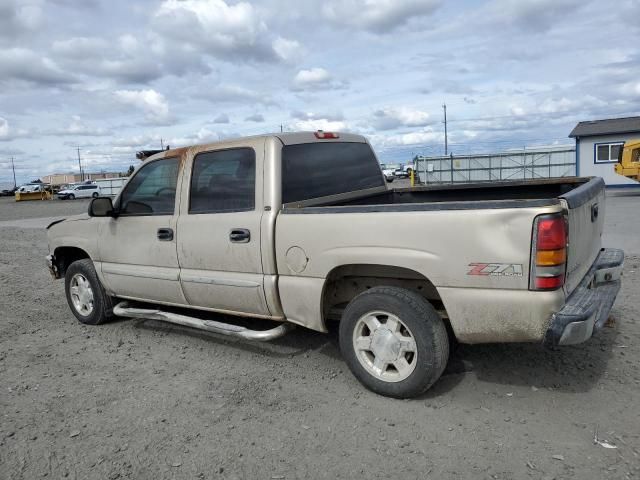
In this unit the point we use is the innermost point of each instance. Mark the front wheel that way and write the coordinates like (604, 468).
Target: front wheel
(95, 195)
(394, 341)
(85, 295)
(71, 197)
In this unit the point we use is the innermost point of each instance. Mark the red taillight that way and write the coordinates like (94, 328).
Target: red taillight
(325, 135)
(549, 283)
(549, 253)
(552, 233)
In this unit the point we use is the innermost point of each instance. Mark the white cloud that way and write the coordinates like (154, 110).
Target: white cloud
(7, 133)
(19, 18)
(233, 31)
(317, 79)
(79, 47)
(226, 93)
(377, 16)
(319, 124)
(287, 50)
(4, 128)
(77, 127)
(152, 103)
(297, 114)
(222, 118)
(535, 15)
(204, 135)
(26, 65)
(256, 117)
(394, 117)
(425, 136)
(313, 76)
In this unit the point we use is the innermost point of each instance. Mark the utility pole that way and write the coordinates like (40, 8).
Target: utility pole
(80, 166)
(161, 144)
(280, 128)
(444, 106)
(13, 167)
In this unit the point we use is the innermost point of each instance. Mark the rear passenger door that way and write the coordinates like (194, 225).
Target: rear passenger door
(219, 230)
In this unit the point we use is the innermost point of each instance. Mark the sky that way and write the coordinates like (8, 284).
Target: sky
(112, 77)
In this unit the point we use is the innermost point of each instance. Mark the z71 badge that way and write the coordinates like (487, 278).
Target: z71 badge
(496, 269)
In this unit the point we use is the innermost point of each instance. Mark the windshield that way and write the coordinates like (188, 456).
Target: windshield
(312, 170)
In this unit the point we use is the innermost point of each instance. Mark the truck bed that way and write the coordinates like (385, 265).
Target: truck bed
(528, 193)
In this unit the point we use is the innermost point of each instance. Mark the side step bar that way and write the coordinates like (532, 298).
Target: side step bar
(124, 310)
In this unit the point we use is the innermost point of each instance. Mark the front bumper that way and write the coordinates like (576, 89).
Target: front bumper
(53, 266)
(588, 306)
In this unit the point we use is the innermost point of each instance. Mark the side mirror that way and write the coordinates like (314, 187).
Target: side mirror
(101, 207)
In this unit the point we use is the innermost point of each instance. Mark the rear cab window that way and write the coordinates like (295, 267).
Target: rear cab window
(312, 170)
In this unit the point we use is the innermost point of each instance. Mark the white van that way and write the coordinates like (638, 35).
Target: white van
(80, 191)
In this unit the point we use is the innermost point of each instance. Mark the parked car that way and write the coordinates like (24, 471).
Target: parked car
(389, 174)
(403, 171)
(79, 191)
(8, 193)
(32, 187)
(300, 228)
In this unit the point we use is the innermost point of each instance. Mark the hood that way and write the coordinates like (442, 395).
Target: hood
(72, 218)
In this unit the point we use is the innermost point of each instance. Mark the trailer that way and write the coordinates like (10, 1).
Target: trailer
(111, 186)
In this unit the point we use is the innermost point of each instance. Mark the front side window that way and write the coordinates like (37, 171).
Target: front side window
(152, 191)
(608, 152)
(223, 181)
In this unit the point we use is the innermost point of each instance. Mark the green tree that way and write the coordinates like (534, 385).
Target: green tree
(130, 171)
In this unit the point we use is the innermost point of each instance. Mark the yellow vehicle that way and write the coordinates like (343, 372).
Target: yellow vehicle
(629, 160)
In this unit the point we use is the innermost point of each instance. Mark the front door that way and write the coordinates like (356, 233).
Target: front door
(138, 248)
(219, 230)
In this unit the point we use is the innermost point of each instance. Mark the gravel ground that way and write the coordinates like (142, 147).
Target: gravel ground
(140, 399)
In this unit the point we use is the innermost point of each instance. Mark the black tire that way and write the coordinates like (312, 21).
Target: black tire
(102, 307)
(94, 194)
(423, 323)
(71, 197)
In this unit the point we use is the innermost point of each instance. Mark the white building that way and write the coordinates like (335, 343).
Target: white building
(598, 143)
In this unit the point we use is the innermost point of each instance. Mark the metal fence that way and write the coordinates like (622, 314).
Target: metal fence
(518, 165)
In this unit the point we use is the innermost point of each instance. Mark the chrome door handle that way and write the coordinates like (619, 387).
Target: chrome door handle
(240, 235)
(165, 234)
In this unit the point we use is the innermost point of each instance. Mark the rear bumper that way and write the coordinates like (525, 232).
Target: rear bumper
(588, 306)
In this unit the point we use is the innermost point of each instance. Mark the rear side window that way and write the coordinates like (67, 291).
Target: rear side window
(311, 170)
(223, 181)
(152, 191)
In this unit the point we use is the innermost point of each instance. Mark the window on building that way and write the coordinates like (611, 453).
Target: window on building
(608, 152)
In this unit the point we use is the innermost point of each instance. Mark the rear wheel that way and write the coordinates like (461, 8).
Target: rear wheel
(393, 341)
(85, 295)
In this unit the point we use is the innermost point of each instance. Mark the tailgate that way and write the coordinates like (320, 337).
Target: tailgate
(586, 217)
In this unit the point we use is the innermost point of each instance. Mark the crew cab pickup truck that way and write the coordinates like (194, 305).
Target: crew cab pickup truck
(300, 229)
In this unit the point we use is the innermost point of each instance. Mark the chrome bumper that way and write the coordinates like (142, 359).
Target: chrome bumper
(588, 306)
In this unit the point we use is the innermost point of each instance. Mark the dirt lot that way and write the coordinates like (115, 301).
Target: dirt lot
(138, 399)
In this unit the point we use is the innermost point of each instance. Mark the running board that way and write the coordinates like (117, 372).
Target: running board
(124, 310)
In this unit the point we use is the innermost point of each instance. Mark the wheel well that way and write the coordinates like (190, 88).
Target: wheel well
(346, 282)
(65, 256)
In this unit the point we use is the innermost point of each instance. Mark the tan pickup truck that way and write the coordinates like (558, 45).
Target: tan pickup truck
(300, 228)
